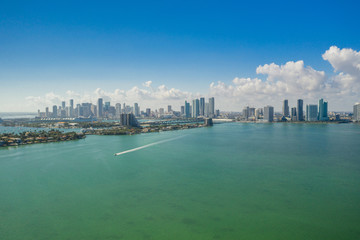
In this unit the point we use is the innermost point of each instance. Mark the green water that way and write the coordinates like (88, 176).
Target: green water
(231, 181)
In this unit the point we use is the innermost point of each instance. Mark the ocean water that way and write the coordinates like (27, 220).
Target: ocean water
(230, 181)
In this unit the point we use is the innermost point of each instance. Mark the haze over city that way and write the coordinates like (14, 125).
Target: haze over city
(165, 53)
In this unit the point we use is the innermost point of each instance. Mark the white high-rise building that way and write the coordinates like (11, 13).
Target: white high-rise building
(356, 113)
(268, 113)
(311, 112)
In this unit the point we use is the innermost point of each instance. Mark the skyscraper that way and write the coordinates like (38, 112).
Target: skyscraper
(63, 104)
(182, 110)
(100, 107)
(117, 110)
(269, 113)
(211, 107)
(356, 113)
(55, 112)
(169, 110)
(293, 114)
(71, 111)
(300, 110)
(136, 109)
(202, 107)
(286, 108)
(187, 109)
(323, 110)
(311, 112)
(195, 108)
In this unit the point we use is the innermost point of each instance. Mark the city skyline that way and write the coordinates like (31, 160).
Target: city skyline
(242, 55)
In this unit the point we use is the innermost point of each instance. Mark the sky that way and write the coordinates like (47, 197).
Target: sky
(157, 53)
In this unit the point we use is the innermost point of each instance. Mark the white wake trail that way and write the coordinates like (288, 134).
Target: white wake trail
(148, 145)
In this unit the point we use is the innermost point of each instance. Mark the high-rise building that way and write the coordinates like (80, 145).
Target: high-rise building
(117, 110)
(148, 112)
(269, 113)
(182, 110)
(136, 110)
(245, 113)
(187, 110)
(323, 110)
(356, 113)
(55, 111)
(161, 111)
(195, 108)
(128, 119)
(286, 108)
(293, 114)
(311, 112)
(71, 110)
(300, 110)
(169, 109)
(100, 107)
(202, 107)
(211, 107)
(47, 112)
(63, 105)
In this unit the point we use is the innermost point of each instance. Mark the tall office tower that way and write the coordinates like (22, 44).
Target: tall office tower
(293, 114)
(47, 112)
(217, 112)
(128, 119)
(86, 109)
(71, 110)
(62, 113)
(55, 112)
(311, 112)
(187, 109)
(323, 110)
(251, 112)
(356, 113)
(207, 111)
(107, 106)
(211, 107)
(195, 108)
(169, 109)
(161, 111)
(67, 110)
(118, 110)
(202, 106)
(182, 110)
(63, 104)
(124, 108)
(78, 112)
(286, 108)
(148, 112)
(100, 108)
(258, 113)
(246, 113)
(136, 110)
(300, 110)
(269, 113)
(93, 110)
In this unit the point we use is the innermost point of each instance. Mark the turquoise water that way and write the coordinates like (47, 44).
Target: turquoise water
(231, 181)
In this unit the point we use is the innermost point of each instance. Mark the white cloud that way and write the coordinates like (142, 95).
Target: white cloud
(291, 80)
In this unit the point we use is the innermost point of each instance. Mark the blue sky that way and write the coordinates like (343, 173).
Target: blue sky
(48, 47)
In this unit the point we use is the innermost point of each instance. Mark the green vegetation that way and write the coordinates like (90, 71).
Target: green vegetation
(13, 139)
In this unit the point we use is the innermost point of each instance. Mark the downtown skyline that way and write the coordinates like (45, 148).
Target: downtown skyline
(245, 54)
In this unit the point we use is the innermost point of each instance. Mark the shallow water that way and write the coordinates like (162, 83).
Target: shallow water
(231, 181)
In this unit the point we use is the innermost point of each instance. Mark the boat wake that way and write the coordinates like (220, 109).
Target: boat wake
(148, 145)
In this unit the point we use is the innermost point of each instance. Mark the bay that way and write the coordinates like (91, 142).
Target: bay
(230, 181)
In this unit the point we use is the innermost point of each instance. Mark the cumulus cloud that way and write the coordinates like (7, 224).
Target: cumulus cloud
(291, 80)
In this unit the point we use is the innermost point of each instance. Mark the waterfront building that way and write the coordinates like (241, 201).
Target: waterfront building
(211, 106)
(245, 113)
(182, 110)
(117, 110)
(323, 110)
(258, 113)
(293, 114)
(169, 110)
(187, 110)
(71, 110)
(202, 107)
(136, 110)
(195, 108)
(311, 112)
(148, 112)
(300, 110)
(128, 119)
(286, 108)
(217, 112)
(100, 107)
(55, 112)
(268, 113)
(356, 113)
